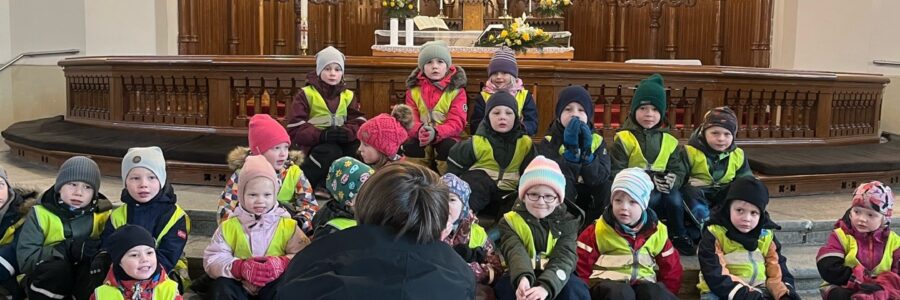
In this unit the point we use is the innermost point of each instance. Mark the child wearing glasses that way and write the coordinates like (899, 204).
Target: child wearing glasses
(537, 239)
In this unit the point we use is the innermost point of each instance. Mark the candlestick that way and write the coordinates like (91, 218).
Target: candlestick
(529, 7)
(505, 9)
(304, 10)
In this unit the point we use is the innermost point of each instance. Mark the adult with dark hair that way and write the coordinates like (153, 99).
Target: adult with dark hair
(394, 253)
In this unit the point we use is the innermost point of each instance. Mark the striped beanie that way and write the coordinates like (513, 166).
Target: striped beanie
(636, 183)
(877, 196)
(504, 60)
(542, 171)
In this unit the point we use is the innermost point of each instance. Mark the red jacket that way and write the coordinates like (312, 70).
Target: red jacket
(670, 269)
(431, 94)
(306, 135)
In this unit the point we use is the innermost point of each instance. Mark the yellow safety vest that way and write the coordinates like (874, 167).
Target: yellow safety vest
(750, 266)
(636, 155)
(700, 173)
(52, 225)
(319, 115)
(119, 217)
(341, 223)
(438, 114)
(518, 224)
(289, 184)
(477, 236)
(852, 247)
(507, 178)
(165, 290)
(237, 239)
(595, 143)
(619, 262)
(10, 233)
(520, 100)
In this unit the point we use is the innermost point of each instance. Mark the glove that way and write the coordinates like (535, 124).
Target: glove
(277, 264)
(80, 250)
(334, 135)
(427, 135)
(664, 182)
(100, 264)
(470, 255)
(748, 293)
(572, 134)
(587, 138)
(252, 270)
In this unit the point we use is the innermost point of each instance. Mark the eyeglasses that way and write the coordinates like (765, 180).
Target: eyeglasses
(549, 199)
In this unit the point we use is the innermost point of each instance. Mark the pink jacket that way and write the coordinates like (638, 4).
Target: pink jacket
(431, 94)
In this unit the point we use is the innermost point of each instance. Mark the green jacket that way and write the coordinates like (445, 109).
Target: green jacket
(462, 155)
(650, 141)
(562, 259)
(715, 160)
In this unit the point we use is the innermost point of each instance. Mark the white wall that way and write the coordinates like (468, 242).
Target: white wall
(120, 27)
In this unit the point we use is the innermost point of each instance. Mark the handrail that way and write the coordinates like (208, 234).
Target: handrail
(38, 53)
(886, 62)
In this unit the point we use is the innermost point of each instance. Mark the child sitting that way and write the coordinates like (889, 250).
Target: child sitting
(862, 246)
(345, 176)
(149, 202)
(14, 205)
(135, 272)
(325, 116)
(628, 228)
(643, 142)
(503, 76)
(491, 161)
(468, 238)
(580, 153)
(740, 257)
(537, 239)
(249, 252)
(436, 93)
(381, 137)
(268, 139)
(61, 235)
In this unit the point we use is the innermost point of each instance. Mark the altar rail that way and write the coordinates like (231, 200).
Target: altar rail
(219, 93)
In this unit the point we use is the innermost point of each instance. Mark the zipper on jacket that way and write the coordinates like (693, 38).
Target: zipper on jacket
(634, 264)
(500, 176)
(755, 269)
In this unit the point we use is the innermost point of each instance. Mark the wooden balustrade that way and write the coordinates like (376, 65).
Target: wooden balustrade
(220, 93)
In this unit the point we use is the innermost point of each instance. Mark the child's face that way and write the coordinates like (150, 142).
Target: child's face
(76, 194)
(718, 138)
(647, 116)
(744, 215)
(435, 69)
(865, 220)
(142, 184)
(4, 192)
(456, 206)
(278, 154)
(626, 210)
(502, 118)
(572, 110)
(368, 154)
(541, 200)
(332, 74)
(501, 79)
(139, 262)
(258, 195)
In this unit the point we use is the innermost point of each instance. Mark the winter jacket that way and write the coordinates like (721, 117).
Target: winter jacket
(78, 225)
(302, 205)
(153, 216)
(593, 174)
(650, 141)
(13, 216)
(305, 135)
(431, 94)
(528, 114)
(562, 259)
(157, 285)
(716, 162)
(668, 260)
(489, 270)
(711, 254)
(870, 252)
(463, 155)
(331, 210)
(372, 262)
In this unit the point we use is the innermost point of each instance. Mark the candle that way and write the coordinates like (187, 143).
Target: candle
(505, 7)
(529, 6)
(304, 10)
(418, 6)
(441, 4)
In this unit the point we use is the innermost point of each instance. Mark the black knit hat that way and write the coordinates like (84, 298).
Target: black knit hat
(576, 93)
(501, 99)
(125, 238)
(749, 189)
(720, 116)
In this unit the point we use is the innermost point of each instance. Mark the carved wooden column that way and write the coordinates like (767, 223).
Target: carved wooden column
(187, 27)
(671, 48)
(280, 43)
(760, 47)
(655, 13)
(233, 40)
(717, 38)
(473, 15)
(611, 44)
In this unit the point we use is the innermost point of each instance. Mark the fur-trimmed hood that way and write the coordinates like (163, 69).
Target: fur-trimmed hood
(238, 154)
(457, 78)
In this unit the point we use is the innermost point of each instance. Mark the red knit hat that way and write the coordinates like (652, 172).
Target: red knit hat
(265, 133)
(384, 133)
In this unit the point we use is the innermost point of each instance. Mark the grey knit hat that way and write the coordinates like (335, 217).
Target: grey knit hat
(434, 49)
(150, 158)
(5, 178)
(328, 56)
(78, 168)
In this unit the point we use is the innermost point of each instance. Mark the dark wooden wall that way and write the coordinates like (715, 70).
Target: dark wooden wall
(718, 32)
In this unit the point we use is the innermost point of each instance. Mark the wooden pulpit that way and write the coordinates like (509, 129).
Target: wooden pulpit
(473, 15)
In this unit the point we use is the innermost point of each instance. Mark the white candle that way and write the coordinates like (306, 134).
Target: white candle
(529, 6)
(304, 10)
(441, 4)
(418, 6)
(505, 7)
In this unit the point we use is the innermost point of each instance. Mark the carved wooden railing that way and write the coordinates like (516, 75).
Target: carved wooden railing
(220, 93)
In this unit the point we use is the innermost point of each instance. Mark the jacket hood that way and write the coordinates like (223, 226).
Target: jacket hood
(327, 91)
(485, 130)
(267, 220)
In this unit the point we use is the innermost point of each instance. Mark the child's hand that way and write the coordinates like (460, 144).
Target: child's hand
(426, 135)
(572, 134)
(536, 293)
(522, 289)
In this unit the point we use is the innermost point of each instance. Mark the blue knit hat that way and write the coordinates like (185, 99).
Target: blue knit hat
(576, 93)
(461, 189)
(636, 183)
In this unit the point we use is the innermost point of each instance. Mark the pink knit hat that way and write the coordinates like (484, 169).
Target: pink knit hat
(543, 171)
(265, 133)
(256, 166)
(383, 133)
(875, 195)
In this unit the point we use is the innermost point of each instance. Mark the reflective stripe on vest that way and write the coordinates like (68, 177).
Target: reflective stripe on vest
(520, 100)
(636, 155)
(289, 184)
(10, 233)
(477, 236)
(165, 290)
(518, 224)
(236, 238)
(750, 266)
(119, 217)
(595, 143)
(319, 114)
(52, 226)
(619, 262)
(437, 114)
(507, 179)
(851, 248)
(700, 173)
(341, 223)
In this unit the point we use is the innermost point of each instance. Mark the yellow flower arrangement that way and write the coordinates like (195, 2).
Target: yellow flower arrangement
(399, 8)
(552, 8)
(519, 35)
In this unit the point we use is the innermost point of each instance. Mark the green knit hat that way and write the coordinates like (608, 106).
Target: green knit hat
(434, 49)
(650, 91)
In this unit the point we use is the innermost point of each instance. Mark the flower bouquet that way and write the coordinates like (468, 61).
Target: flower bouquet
(518, 36)
(552, 8)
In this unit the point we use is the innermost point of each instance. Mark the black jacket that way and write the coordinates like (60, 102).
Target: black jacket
(594, 174)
